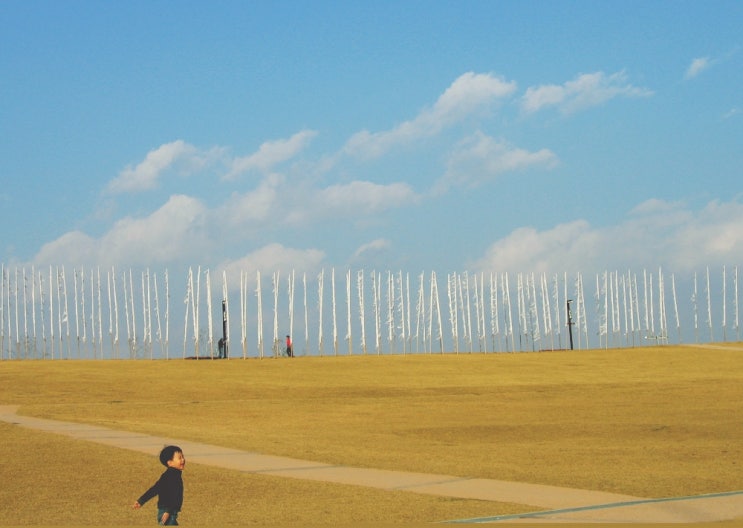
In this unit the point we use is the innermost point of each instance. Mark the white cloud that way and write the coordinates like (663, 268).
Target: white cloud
(176, 231)
(363, 197)
(696, 67)
(184, 229)
(255, 206)
(275, 257)
(466, 96)
(271, 153)
(71, 248)
(276, 203)
(730, 113)
(480, 158)
(585, 91)
(176, 155)
(656, 233)
(374, 246)
(564, 247)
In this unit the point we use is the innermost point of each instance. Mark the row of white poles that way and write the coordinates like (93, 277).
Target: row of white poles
(48, 314)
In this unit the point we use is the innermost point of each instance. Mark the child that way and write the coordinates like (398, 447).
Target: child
(168, 488)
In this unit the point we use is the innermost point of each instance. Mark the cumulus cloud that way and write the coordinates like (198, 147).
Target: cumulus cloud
(585, 91)
(654, 233)
(563, 247)
(364, 197)
(256, 206)
(145, 175)
(467, 95)
(184, 229)
(696, 67)
(271, 153)
(175, 231)
(275, 203)
(479, 158)
(275, 257)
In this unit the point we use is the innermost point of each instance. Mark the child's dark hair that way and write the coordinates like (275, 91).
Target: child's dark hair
(168, 453)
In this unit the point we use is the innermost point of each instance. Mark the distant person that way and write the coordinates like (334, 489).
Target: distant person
(289, 351)
(168, 488)
(221, 345)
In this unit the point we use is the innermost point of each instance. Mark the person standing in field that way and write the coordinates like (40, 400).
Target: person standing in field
(168, 488)
(289, 351)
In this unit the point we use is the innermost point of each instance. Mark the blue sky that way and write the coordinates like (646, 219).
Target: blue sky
(551, 136)
(418, 136)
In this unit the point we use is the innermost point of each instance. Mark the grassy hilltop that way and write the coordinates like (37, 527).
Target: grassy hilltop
(650, 422)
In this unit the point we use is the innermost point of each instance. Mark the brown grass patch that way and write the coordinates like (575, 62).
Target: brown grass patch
(650, 422)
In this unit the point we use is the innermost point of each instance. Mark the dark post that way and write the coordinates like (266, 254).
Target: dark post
(224, 326)
(570, 324)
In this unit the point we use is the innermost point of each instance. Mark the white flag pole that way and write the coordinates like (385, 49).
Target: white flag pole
(25, 316)
(2, 311)
(435, 296)
(291, 304)
(226, 313)
(390, 312)
(17, 325)
(77, 318)
(482, 343)
(724, 304)
(696, 310)
(709, 309)
(275, 291)
(408, 333)
(209, 315)
(676, 307)
(157, 316)
(320, 287)
(42, 311)
(33, 309)
(66, 317)
(401, 309)
(243, 312)
(306, 324)
(348, 312)
(506, 291)
(335, 322)
(451, 294)
(362, 318)
(420, 312)
(116, 312)
(126, 316)
(735, 285)
(259, 314)
(187, 301)
(167, 315)
(51, 310)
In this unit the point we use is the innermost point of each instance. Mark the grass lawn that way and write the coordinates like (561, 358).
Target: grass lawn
(650, 422)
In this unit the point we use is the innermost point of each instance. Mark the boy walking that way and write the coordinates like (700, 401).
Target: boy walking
(168, 488)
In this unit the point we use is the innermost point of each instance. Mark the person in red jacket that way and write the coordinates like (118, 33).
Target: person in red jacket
(289, 350)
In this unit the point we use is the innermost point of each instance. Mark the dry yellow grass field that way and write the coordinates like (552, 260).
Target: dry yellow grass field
(650, 422)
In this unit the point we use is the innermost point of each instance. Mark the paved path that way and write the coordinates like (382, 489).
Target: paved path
(554, 504)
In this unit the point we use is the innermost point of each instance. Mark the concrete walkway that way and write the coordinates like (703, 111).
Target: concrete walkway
(554, 504)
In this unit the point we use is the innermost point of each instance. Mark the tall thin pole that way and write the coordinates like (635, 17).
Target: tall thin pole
(570, 322)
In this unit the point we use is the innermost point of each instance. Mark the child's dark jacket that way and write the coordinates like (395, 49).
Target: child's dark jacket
(169, 491)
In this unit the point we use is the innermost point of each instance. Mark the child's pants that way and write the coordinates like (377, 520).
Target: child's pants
(172, 520)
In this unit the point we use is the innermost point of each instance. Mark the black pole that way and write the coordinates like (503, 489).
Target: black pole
(570, 324)
(224, 326)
